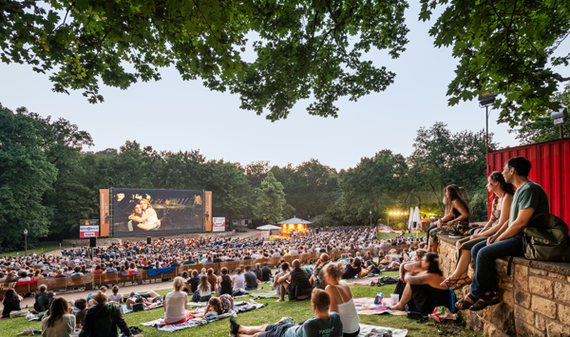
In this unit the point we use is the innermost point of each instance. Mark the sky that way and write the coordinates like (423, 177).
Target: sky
(174, 115)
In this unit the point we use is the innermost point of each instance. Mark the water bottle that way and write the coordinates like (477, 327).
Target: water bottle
(379, 298)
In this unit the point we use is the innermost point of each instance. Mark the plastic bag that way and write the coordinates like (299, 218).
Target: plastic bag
(440, 313)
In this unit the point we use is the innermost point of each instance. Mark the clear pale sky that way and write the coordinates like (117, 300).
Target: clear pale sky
(178, 115)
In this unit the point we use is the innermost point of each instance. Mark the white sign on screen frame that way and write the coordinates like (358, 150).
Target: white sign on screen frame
(218, 224)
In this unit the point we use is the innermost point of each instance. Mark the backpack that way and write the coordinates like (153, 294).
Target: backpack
(546, 238)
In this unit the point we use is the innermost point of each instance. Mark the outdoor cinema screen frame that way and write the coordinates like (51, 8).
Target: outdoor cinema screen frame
(170, 212)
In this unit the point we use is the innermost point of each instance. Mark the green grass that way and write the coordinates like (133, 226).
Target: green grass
(38, 248)
(386, 236)
(272, 313)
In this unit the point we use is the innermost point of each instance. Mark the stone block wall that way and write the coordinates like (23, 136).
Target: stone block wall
(535, 298)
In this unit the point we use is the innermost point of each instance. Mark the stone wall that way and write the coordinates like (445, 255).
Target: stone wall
(535, 298)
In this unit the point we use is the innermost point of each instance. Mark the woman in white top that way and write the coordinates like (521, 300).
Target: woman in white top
(175, 304)
(341, 298)
(116, 297)
(204, 289)
(61, 321)
(238, 280)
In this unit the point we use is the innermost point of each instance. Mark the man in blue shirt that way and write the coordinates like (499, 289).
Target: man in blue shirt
(529, 199)
(324, 324)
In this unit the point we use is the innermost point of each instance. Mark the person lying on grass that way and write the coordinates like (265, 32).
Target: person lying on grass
(324, 324)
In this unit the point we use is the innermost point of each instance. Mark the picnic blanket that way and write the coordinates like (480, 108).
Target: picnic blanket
(265, 294)
(364, 282)
(197, 321)
(366, 306)
(366, 329)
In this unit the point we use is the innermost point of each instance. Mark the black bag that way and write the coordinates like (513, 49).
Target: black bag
(546, 238)
(138, 307)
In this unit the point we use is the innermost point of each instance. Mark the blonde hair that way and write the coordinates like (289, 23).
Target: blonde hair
(100, 298)
(334, 269)
(178, 283)
(147, 202)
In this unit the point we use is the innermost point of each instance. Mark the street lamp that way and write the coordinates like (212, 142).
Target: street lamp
(26, 240)
(370, 218)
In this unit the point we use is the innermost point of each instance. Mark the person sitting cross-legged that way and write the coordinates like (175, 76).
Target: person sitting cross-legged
(296, 283)
(324, 324)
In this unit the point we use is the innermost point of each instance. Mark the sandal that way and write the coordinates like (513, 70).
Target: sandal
(461, 282)
(485, 301)
(463, 304)
(449, 282)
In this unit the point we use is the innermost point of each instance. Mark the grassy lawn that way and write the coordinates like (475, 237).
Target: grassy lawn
(385, 236)
(272, 313)
(39, 248)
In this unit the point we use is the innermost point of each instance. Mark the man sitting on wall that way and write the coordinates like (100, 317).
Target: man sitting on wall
(529, 199)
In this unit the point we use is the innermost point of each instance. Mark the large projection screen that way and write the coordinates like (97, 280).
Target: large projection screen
(156, 212)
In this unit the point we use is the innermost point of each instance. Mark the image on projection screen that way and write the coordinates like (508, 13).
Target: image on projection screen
(155, 212)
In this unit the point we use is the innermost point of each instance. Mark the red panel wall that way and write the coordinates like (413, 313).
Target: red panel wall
(550, 168)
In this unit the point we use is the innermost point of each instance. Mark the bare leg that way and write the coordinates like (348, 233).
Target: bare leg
(152, 294)
(284, 286)
(251, 330)
(406, 297)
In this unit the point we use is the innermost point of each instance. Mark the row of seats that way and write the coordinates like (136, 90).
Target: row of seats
(142, 275)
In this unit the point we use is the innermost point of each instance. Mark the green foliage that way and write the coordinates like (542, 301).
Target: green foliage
(507, 48)
(25, 175)
(372, 186)
(304, 48)
(270, 202)
(441, 158)
(540, 128)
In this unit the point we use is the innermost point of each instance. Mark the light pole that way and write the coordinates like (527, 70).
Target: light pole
(26, 240)
(370, 218)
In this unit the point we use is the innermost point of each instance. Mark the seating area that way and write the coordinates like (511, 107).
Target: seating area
(141, 276)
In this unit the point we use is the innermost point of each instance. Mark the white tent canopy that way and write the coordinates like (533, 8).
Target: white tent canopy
(267, 227)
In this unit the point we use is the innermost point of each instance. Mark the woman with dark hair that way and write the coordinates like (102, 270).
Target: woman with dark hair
(503, 191)
(61, 320)
(421, 287)
(43, 299)
(11, 302)
(456, 212)
(103, 320)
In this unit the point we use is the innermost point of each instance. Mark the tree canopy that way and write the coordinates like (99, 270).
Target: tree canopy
(300, 49)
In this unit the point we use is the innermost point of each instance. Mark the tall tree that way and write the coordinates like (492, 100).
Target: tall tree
(25, 175)
(304, 48)
(504, 47)
(270, 202)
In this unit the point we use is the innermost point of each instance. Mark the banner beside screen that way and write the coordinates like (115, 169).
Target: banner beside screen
(88, 228)
(156, 212)
(104, 211)
(219, 225)
(208, 211)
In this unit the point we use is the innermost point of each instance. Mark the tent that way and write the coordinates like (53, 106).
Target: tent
(268, 227)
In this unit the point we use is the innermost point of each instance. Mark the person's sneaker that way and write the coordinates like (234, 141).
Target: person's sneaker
(456, 234)
(234, 327)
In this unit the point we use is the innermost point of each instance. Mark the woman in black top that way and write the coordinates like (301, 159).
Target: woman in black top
(420, 287)
(456, 212)
(225, 282)
(11, 303)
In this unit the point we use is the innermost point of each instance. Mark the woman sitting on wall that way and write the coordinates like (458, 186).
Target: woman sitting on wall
(499, 215)
(456, 212)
